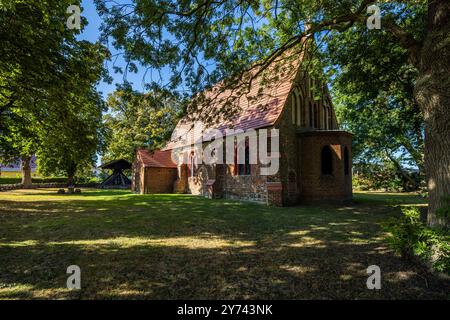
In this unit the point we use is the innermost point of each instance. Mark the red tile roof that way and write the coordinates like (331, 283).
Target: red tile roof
(157, 159)
(258, 108)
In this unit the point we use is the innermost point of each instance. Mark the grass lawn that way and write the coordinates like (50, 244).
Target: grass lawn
(181, 246)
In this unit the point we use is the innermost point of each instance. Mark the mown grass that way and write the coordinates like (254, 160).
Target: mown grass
(179, 246)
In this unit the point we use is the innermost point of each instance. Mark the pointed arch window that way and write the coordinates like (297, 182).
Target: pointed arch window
(346, 162)
(327, 160)
(316, 116)
(294, 106)
(242, 169)
(303, 109)
(192, 164)
(330, 118)
(300, 108)
(297, 108)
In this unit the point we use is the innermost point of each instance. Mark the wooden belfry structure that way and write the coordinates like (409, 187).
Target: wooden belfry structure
(117, 179)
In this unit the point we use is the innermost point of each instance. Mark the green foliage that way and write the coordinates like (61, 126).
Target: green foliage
(10, 180)
(137, 120)
(74, 138)
(444, 210)
(382, 113)
(189, 37)
(411, 237)
(385, 177)
(34, 180)
(48, 101)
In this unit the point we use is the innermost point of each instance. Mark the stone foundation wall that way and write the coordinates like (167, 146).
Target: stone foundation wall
(245, 187)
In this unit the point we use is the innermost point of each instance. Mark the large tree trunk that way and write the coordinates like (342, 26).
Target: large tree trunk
(71, 170)
(70, 180)
(26, 171)
(433, 95)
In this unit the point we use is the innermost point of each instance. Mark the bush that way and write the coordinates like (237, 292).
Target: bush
(413, 238)
(49, 180)
(34, 180)
(10, 180)
(385, 177)
(85, 180)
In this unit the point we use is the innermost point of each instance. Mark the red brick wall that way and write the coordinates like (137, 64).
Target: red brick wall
(159, 180)
(300, 148)
(315, 185)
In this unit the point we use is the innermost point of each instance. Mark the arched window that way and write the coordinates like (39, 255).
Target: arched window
(311, 115)
(294, 107)
(297, 107)
(346, 162)
(330, 118)
(301, 109)
(327, 160)
(244, 168)
(192, 164)
(316, 116)
(325, 117)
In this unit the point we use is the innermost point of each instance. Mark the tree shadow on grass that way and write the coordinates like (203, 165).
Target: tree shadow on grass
(281, 270)
(181, 247)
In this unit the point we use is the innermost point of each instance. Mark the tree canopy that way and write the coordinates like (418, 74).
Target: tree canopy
(48, 101)
(136, 120)
(382, 113)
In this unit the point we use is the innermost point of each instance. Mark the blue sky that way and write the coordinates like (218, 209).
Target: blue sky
(91, 33)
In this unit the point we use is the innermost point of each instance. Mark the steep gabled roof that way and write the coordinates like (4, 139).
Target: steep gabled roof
(258, 108)
(157, 159)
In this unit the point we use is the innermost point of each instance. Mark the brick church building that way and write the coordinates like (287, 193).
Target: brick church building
(314, 155)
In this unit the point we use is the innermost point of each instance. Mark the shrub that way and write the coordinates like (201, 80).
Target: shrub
(413, 238)
(10, 180)
(444, 211)
(49, 180)
(34, 180)
(83, 180)
(385, 177)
